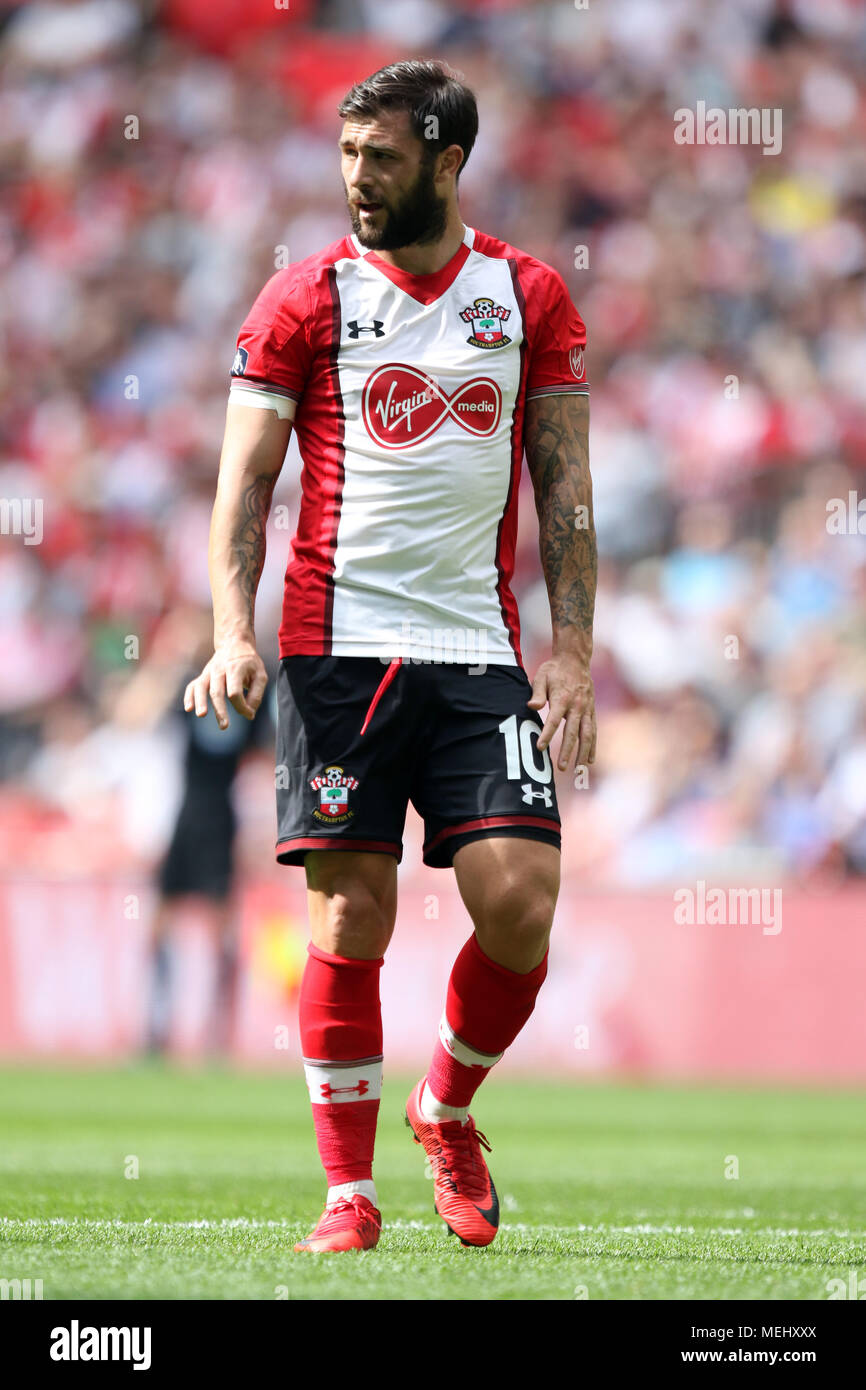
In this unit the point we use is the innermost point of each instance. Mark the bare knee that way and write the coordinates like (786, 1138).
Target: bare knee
(514, 920)
(351, 914)
(353, 922)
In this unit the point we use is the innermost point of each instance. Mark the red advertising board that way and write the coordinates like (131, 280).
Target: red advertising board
(631, 990)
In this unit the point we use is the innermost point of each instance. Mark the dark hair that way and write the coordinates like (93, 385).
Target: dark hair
(424, 88)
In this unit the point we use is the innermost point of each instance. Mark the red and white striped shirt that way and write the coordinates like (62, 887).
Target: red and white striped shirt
(408, 395)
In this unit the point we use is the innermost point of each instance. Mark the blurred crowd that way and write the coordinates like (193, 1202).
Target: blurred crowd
(156, 159)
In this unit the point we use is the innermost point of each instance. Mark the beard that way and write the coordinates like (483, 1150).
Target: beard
(419, 217)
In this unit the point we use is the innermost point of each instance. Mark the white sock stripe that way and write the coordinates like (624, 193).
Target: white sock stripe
(329, 1084)
(461, 1051)
(436, 1111)
(364, 1186)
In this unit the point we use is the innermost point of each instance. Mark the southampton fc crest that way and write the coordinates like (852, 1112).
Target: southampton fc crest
(486, 319)
(333, 787)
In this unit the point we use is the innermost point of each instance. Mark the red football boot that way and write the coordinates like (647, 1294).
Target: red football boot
(352, 1223)
(463, 1191)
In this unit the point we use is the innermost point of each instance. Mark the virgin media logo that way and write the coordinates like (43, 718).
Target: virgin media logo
(402, 406)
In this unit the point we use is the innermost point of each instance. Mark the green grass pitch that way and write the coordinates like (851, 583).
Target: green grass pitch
(607, 1191)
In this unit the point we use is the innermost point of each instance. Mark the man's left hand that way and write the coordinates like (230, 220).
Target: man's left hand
(564, 683)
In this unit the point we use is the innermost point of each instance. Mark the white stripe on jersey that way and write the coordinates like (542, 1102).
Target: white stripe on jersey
(428, 467)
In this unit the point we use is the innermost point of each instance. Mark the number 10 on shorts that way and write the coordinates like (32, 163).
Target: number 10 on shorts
(520, 754)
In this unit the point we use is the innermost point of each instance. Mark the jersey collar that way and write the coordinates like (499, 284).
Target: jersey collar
(424, 288)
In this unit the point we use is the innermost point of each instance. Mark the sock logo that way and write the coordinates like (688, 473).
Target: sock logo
(328, 1090)
(343, 1083)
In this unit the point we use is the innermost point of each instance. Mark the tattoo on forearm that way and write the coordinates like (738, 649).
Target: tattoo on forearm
(556, 440)
(248, 538)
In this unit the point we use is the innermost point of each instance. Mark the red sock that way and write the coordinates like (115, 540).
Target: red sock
(341, 1043)
(486, 1008)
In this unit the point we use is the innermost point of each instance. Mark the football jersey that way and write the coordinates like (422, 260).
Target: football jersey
(408, 394)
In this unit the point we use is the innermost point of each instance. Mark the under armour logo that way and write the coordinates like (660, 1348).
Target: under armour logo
(530, 793)
(327, 1090)
(355, 331)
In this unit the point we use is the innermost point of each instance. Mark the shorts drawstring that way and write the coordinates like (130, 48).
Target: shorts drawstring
(383, 686)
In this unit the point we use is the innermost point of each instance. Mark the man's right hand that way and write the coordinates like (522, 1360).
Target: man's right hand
(234, 668)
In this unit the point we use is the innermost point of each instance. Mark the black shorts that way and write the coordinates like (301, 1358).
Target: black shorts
(458, 743)
(200, 857)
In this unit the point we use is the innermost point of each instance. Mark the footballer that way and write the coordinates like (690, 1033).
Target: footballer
(418, 360)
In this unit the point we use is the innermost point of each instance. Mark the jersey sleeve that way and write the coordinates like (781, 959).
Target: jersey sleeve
(557, 340)
(273, 353)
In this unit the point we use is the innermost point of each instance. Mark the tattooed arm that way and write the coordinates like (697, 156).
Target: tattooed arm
(253, 451)
(557, 452)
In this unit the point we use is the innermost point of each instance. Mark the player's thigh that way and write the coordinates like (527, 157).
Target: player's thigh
(509, 886)
(352, 901)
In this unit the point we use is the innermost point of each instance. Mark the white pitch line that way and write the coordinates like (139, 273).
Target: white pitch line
(248, 1223)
